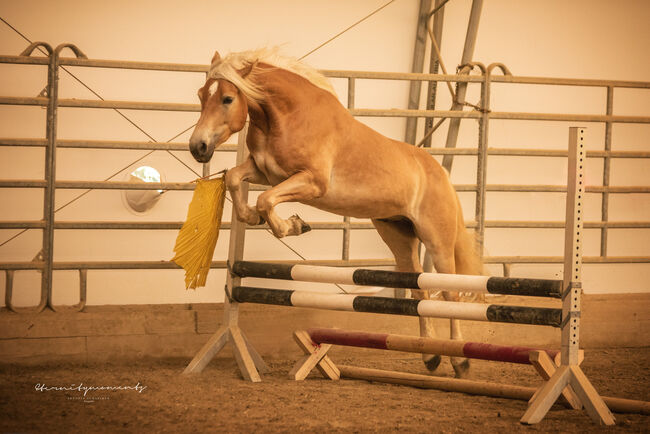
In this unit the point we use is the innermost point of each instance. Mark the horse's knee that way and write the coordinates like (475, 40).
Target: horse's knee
(264, 204)
(232, 179)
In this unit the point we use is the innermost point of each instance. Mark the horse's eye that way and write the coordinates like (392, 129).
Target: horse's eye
(227, 100)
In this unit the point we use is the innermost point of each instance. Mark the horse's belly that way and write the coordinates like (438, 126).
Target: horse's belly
(360, 205)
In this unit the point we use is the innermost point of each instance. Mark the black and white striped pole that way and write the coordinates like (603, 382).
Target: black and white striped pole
(400, 306)
(395, 279)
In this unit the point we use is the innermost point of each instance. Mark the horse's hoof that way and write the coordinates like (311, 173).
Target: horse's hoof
(299, 225)
(433, 363)
(462, 369)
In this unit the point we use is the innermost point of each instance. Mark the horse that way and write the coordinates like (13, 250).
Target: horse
(307, 146)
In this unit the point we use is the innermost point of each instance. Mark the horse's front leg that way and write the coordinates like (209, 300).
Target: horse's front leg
(302, 186)
(247, 171)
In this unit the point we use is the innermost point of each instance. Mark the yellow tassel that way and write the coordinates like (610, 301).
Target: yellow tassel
(198, 237)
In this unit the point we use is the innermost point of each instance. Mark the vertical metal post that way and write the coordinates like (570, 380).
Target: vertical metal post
(461, 88)
(9, 288)
(573, 247)
(50, 168)
(83, 288)
(481, 162)
(606, 172)
(417, 66)
(50, 176)
(345, 250)
(434, 63)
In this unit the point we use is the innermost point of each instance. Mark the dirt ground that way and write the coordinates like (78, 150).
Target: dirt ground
(156, 398)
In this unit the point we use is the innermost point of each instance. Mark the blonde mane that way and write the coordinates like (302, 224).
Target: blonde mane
(227, 67)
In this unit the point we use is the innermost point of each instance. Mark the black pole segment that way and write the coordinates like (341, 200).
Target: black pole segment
(524, 315)
(529, 287)
(248, 294)
(391, 306)
(265, 271)
(390, 279)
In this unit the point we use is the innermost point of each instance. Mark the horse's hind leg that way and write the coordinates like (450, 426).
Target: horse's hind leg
(440, 242)
(401, 240)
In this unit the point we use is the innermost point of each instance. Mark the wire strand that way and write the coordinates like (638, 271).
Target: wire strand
(348, 28)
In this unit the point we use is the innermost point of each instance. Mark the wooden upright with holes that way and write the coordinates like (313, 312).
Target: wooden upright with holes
(249, 361)
(568, 372)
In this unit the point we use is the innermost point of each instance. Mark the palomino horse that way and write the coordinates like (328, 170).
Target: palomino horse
(309, 148)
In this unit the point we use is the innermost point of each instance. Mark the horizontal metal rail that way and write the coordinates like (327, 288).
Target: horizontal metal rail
(135, 225)
(188, 186)
(109, 144)
(117, 225)
(159, 265)
(171, 186)
(406, 113)
(345, 74)
(176, 146)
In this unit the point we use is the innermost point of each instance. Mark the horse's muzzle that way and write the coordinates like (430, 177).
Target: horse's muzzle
(201, 151)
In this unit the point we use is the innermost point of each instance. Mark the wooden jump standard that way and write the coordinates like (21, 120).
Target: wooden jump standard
(568, 373)
(316, 342)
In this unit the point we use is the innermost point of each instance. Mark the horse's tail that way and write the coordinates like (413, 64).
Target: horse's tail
(466, 254)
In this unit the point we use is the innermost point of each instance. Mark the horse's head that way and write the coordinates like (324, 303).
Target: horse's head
(223, 113)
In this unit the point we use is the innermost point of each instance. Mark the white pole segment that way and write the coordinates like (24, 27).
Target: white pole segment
(451, 309)
(453, 282)
(320, 300)
(313, 273)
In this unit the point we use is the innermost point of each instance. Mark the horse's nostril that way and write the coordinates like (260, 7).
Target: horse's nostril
(203, 148)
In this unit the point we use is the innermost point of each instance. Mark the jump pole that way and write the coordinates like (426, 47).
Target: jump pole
(497, 390)
(400, 306)
(396, 279)
(425, 345)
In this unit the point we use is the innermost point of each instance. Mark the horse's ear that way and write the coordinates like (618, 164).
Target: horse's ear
(216, 58)
(247, 69)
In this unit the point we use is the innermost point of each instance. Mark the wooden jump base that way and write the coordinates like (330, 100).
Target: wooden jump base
(413, 344)
(568, 373)
(395, 279)
(400, 306)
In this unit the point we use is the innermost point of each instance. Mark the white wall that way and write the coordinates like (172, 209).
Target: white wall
(590, 39)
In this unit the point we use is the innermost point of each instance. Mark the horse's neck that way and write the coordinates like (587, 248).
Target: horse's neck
(285, 95)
